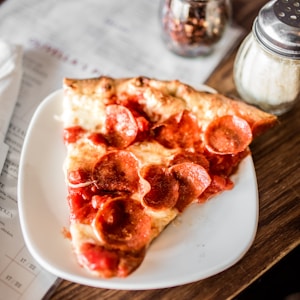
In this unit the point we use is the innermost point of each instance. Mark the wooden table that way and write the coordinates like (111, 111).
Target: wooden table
(277, 163)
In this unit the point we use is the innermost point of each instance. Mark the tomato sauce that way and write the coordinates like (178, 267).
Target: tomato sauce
(98, 258)
(72, 134)
(81, 208)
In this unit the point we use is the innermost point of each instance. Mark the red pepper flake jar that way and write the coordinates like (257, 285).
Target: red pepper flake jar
(192, 27)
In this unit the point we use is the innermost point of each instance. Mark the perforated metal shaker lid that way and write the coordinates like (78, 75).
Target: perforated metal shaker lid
(277, 27)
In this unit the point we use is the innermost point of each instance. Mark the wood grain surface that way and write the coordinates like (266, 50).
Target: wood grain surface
(277, 164)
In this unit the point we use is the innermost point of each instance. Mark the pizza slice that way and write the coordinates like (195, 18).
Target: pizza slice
(139, 151)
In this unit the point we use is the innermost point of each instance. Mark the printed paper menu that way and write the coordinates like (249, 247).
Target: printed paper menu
(20, 276)
(112, 38)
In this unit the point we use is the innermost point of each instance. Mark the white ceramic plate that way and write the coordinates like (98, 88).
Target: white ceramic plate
(207, 239)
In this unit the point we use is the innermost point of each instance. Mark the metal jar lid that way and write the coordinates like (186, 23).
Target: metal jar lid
(277, 27)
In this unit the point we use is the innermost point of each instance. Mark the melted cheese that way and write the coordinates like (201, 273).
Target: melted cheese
(160, 106)
(83, 154)
(152, 153)
(85, 111)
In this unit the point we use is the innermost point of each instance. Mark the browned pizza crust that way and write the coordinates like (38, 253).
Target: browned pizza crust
(173, 95)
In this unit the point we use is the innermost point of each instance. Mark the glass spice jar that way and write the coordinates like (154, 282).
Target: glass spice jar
(267, 65)
(192, 27)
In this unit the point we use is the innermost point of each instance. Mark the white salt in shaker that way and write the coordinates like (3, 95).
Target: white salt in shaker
(267, 65)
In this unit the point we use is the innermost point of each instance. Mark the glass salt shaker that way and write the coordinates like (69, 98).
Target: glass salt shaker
(267, 65)
(192, 27)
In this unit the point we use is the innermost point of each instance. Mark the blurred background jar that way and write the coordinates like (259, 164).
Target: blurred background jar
(267, 65)
(192, 27)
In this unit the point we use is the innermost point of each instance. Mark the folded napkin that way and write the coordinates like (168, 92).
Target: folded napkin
(10, 80)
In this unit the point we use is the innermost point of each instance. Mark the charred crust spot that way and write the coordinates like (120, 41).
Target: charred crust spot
(71, 83)
(141, 81)
(107, 86)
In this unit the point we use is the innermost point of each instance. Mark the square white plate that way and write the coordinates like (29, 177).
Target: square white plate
(206, 239)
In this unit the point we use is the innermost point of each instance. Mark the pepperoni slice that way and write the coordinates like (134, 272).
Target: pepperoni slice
(180, 130)
(121, 126)
(187, 156)
(228, 135)
(164, 188)
(193, 179)
(116, 171)
(123, 224)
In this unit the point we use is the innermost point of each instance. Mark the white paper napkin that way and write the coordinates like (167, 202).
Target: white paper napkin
(10, 80)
